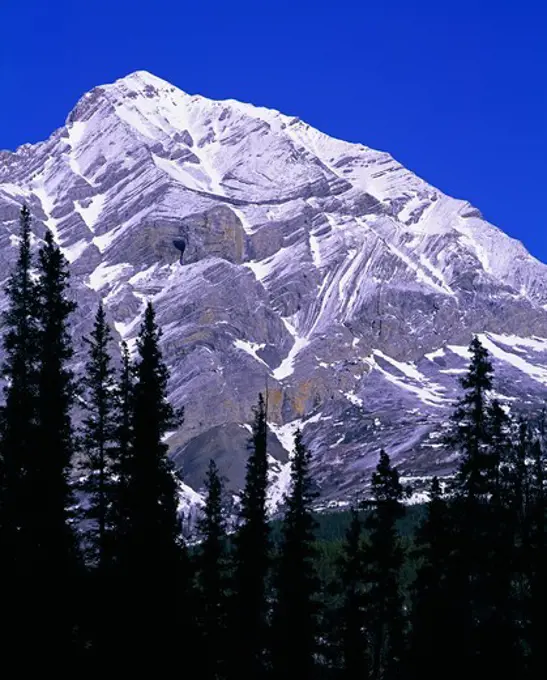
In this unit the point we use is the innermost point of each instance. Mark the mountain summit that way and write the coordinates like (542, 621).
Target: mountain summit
(280, 258)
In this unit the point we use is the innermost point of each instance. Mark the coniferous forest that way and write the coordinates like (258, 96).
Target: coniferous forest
(95, 571)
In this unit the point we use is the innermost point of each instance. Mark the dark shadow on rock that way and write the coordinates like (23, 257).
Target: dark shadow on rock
(228, 446)
(180, 244)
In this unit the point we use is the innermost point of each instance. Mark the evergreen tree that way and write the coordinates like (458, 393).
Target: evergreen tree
(483, 544)
(55, 394)
(470, 432)
(473, 484)
(252, 559)
(98, 442)
(212, 580)
(385, 558)
(18, 415)
(352, 619)
(296, 607)
(19, 446)
(99, 464)
(37, 448)
(56, 390)
(124, 400)
(112, 629)
(150, 553)
(55, 551)
(123, 439)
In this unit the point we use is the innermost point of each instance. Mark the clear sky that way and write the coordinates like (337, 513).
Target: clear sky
(456, 90)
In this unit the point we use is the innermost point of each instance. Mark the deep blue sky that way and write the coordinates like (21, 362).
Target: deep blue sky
(454, 89)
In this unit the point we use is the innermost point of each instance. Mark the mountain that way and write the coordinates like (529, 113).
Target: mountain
(321, 270)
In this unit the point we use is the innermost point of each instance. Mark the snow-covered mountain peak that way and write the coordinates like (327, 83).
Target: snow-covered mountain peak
(252, 154)
(321, 268)
(141, 80)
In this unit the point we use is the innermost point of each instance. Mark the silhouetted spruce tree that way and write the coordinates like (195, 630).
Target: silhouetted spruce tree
(482, 543)
(98, 442)
(150, 550)
(19, 448)
(124, 400)
(385, 558)
(112, 635)
(98, 464)
(252, 560)
(123, 438)
(470, 432)
(471, 517)
(351, 624)
(55, 557)
(212, 580)
(296, 607)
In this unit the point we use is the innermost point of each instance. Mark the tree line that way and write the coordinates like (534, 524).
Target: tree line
(95, 570)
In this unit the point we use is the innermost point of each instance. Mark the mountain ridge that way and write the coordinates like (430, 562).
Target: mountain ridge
(322, 267)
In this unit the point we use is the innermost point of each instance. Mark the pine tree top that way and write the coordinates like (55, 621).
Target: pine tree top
(479, 374)
(212, 525)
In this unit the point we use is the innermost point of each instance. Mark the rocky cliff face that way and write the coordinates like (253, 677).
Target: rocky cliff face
(321, 270)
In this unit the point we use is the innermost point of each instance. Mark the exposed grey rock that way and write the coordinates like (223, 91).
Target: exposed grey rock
(322, 272)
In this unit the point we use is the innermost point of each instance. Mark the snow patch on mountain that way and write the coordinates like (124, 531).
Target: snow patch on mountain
(535, 372)
(91, 211)
(105, 274)
(251, 348)
(286, 367)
